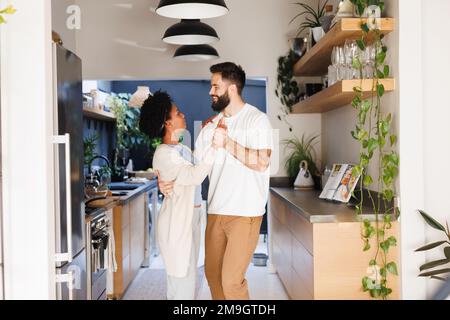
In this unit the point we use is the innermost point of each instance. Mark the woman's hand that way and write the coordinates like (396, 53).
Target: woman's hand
(166, 187)
(210, 119)
(220, 135)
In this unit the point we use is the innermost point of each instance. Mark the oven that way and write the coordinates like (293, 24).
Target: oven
(97, 238)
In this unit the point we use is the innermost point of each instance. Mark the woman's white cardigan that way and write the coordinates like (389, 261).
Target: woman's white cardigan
(174, 225)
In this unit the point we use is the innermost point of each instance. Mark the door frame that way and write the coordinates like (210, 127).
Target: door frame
(27, 166)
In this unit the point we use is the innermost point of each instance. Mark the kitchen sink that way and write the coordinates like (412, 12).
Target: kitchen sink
(119, 193)
(116, 186)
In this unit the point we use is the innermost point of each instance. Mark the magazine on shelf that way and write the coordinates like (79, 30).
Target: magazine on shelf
(340, 184)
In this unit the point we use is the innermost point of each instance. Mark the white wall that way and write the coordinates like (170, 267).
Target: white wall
(436, 115)
(26, 100)
(422, 118)
(412, 178)
(59, 20)
(254, 34)
(338, 144)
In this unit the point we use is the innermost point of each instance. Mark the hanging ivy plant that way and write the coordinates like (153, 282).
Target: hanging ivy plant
(287, 87)
(374, 133)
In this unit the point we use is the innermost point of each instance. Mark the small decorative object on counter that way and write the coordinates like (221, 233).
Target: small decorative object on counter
(139, 97)
(327, 19)
(304, 179)
(345, 9)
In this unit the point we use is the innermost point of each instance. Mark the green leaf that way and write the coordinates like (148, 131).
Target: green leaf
(373, 144)
(365, 107)
(387, 218)
(356, 63)
(373, 262)
(388, 194)
(438, 278)
(361, 44)
(386, 71)
(380, 75)
(381, 233)
(2, 20)
(368, 180)
(392, 241)
(366, 246)
(392, 268)
(380, 57)
(365, 27)
(434, 273)
(433, 264)
(357, 89)
(383, 272)
(447, 252)
(356, 170)
(375, 293)
(384, 246)
(433, 223)
(430, 246)
(9, 10)
(393, 139)
(380, 90)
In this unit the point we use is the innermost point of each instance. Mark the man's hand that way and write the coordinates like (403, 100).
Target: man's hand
(166, 187)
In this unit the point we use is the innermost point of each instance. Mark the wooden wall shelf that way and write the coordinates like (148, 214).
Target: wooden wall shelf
(316, 61)
(99, 114)
(338, 95)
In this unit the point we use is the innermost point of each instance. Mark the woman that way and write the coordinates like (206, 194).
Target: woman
(178, 225)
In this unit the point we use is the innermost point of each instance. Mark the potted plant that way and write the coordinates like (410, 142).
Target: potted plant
(119, 109)
(442, 270)
(301, 150)
(131, 142)
(312, 19)
(362, 7)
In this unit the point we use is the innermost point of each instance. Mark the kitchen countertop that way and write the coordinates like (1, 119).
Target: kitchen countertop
(315, 210)
(122, 200)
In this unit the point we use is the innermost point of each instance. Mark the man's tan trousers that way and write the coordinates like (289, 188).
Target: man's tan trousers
(229, 245)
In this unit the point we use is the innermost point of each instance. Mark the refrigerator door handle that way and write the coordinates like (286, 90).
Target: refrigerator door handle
(66, 278)
(61, 257)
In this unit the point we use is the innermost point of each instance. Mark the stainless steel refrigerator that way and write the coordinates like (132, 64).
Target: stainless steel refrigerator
(69, 184)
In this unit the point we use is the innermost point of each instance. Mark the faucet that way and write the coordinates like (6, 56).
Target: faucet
(94, 158)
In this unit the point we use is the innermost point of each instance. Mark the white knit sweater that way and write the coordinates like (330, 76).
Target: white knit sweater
(174, 225)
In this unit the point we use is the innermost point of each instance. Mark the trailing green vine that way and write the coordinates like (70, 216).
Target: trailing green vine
(374, 133)
(287, 88)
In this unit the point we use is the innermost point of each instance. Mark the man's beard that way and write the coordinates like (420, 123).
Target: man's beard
(222, 102)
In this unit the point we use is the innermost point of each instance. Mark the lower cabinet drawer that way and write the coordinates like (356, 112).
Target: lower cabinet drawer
(300, 290)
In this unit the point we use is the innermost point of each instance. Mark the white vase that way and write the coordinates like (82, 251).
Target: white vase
(318, 33)
(139, 97)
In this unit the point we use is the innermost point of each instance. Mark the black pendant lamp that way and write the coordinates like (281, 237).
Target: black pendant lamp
(192, 9)
(190, 32)
(200, 52)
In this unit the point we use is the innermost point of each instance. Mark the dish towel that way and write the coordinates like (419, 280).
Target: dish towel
(111, 256)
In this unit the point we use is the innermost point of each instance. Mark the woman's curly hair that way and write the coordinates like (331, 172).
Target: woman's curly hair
(154, 113)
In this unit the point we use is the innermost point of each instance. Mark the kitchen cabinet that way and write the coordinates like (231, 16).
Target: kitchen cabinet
(317, 248)
(129, 231)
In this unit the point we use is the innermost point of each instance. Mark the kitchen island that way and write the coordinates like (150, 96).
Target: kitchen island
(316, 247)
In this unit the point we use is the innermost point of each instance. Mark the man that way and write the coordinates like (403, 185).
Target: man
(238, 183)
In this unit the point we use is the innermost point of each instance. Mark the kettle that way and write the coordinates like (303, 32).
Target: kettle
(304, 179)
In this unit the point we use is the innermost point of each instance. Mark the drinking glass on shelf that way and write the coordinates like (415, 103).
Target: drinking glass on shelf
(369, 61)
(331, 75)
